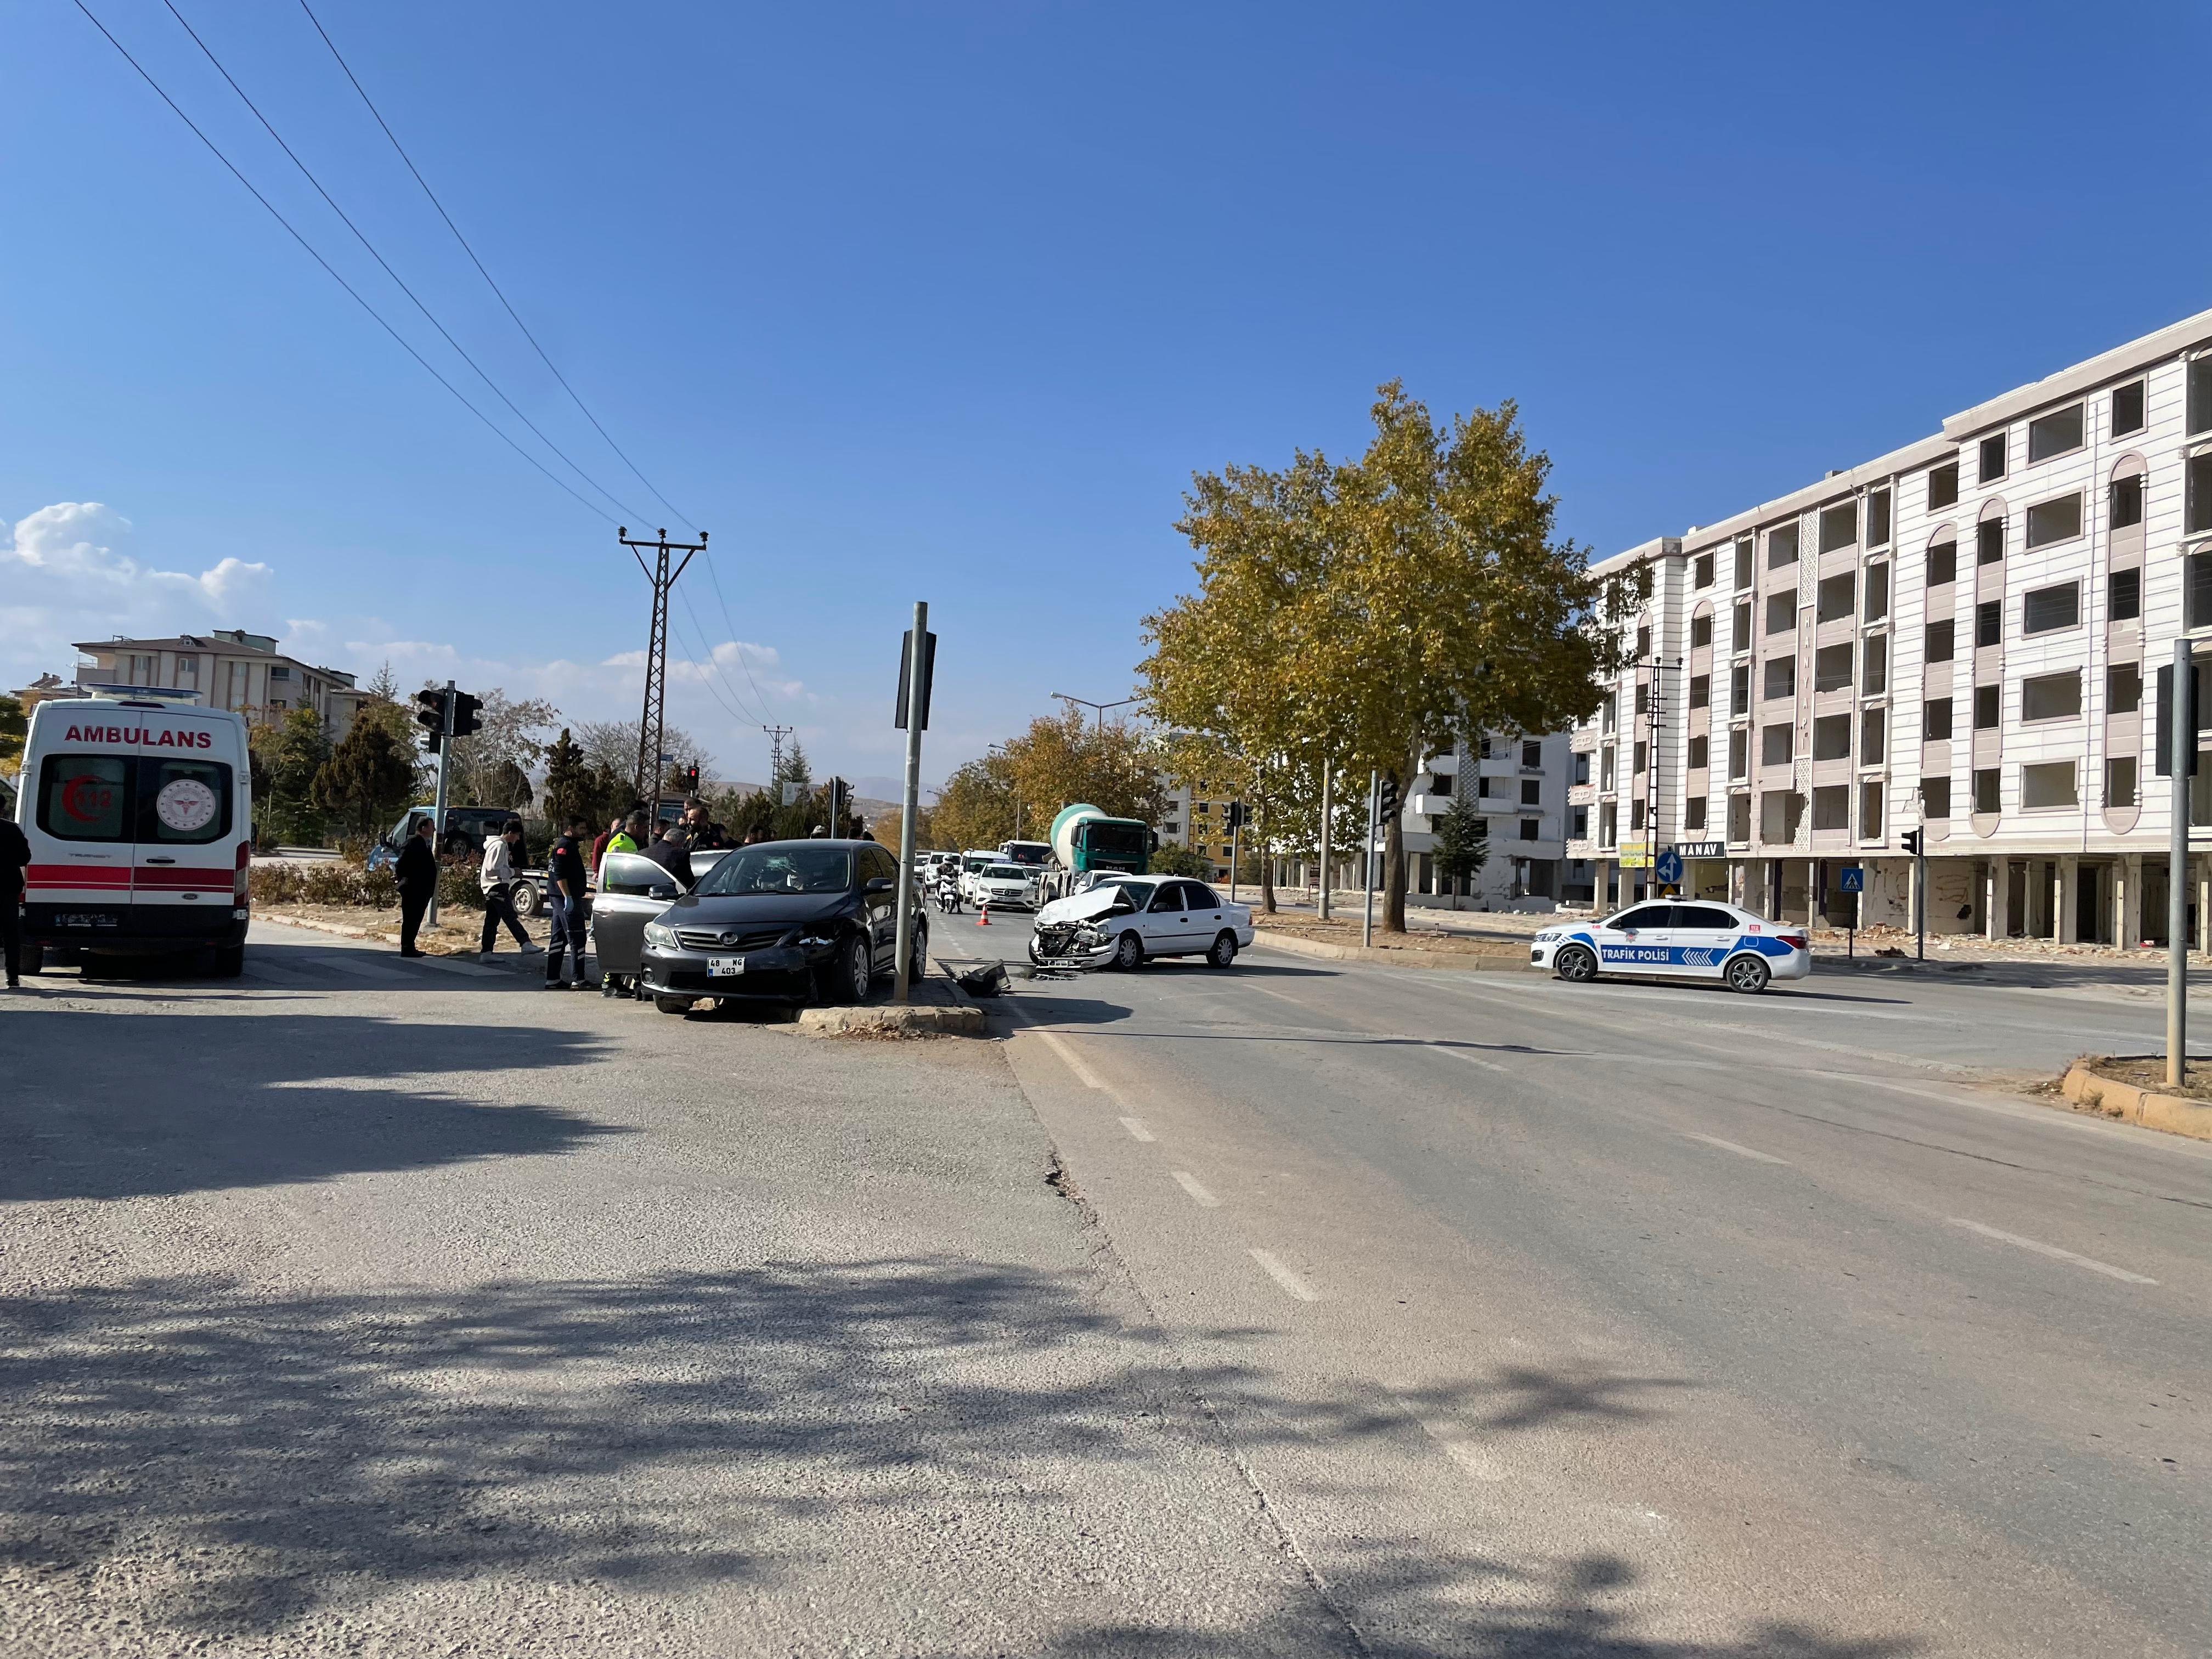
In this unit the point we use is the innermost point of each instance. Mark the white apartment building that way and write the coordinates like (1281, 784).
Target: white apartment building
(229, 669)
(1964, 636)
(1519, 784)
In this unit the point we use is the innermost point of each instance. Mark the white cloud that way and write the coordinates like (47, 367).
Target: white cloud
(62, 578)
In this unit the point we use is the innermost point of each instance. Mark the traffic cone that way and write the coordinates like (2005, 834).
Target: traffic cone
(983, 916)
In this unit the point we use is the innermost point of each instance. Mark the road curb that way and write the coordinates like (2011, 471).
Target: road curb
(2170, 1113)
(931, 1018)
(1466, 962)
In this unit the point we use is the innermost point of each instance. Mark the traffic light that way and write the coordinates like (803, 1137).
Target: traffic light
(688, 777)
(465, 714)
(430, 716)
(1912, 839)
(1238, 816)
(1389, 799)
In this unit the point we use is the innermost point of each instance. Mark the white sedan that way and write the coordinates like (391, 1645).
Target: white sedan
(1668, 940)
(1126, 920)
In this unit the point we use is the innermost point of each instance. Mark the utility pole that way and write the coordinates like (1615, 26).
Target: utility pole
(445, 753)
(1100, 707)
(1367, 859)
(2181, 755)
(1327, 771)
(652, 724)
(776, 734)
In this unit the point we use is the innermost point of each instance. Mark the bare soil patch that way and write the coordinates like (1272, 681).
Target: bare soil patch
(2148, 1072)
(1343, 933)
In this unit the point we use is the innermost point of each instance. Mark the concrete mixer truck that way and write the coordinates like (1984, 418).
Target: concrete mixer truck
(1087, 839)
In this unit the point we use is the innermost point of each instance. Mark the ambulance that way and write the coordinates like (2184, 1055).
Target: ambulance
(138, 809)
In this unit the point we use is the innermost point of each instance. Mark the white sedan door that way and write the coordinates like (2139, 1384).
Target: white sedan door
(1166, 921)
(1637, 941)
(1700, 936)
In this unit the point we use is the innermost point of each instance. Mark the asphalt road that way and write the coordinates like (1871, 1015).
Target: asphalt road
(1631, 1318)
(366, 1305)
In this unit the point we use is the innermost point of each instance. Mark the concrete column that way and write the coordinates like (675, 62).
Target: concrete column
(1997, 909)
(2127, 901)
(2068, 886)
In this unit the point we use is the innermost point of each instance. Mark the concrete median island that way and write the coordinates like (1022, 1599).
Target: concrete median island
(2131, 1088)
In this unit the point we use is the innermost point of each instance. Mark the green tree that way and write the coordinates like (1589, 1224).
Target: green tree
(1061, 759)
(572, 785)
(368, 778)
(293, 751)
(1174, 859)
(15, 727)
(808, 808)
(1463, 845)
(1391, 601)
(975, 807)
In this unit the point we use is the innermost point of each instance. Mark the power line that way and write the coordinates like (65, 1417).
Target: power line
(353, 293)
(362, 237)
(714, 576)
(479, 264)
(706, 659)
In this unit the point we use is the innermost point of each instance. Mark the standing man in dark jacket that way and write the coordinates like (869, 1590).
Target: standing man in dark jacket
(15, 858)
(417, 872)
(570, 879)
(672, 853)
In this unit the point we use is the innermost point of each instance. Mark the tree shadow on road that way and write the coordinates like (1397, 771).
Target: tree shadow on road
(689, 1431)
(157, 1104)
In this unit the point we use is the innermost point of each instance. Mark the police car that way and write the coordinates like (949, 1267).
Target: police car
(1665, 940)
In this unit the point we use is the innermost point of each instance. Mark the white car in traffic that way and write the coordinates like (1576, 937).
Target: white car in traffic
(1674, 939)
(1124, 920)
(1007, 885)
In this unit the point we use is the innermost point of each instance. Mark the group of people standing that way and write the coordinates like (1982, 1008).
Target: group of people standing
(571, 866)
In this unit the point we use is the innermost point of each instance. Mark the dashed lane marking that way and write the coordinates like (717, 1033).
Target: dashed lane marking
(1741, 1151)
(1136, 1131)
(1190, 1183)
(1292, 1284)
(2053, 1251)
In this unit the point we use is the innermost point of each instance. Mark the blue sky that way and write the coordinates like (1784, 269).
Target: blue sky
(948, 302)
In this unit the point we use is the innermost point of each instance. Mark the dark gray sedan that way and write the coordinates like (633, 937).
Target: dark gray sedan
(782, 921)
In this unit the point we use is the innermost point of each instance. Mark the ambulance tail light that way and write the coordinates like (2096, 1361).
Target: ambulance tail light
(238, 878)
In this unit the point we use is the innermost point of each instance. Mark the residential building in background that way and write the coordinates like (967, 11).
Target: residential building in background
(229, 669)
(1198, 818)
(1966, 635)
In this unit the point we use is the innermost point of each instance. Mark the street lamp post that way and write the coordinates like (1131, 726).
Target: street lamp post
(1100, 707)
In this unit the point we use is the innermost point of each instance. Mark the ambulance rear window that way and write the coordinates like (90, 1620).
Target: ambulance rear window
(85, 797)
(187, 800)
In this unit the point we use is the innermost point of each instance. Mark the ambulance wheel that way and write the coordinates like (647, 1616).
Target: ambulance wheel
(672, 1005)
(226, 961)
(33, 956)
(1746, 974)
(1575, 964)
(1128, 951)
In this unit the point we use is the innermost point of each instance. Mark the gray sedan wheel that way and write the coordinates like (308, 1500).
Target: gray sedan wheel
(855, 975)
(529, 898)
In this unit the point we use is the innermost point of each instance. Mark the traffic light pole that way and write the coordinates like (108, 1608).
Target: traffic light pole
(438, 812)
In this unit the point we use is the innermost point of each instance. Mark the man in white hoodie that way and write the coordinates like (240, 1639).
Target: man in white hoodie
(497, 878)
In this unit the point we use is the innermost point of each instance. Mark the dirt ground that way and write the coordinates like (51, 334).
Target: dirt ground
(456, 935)
(1304, 925)
(2149, 1072)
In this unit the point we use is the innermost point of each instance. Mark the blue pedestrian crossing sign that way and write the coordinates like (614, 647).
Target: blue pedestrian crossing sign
(1852, 878)
(1668, 867)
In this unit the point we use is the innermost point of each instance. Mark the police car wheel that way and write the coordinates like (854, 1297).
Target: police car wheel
(1224, 951)
(1575, 963)
(1128, 951)
(1747, 973)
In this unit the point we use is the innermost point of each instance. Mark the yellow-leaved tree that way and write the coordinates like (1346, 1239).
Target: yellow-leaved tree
(1367, 611)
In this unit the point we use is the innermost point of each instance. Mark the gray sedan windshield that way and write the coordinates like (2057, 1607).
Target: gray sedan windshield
(780, 870)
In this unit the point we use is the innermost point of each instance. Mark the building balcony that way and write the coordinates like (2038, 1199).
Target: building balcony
(1428, 807)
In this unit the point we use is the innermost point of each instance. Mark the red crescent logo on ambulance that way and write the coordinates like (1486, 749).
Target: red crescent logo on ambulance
(79, 801)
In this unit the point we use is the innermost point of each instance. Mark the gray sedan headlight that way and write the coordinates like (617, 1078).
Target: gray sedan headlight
(660, 937)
